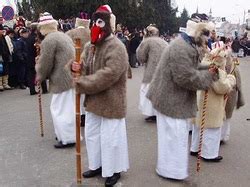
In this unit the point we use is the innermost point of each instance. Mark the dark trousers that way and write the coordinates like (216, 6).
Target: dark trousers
(21, 70)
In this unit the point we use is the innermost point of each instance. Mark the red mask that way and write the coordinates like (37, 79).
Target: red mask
(97, 32)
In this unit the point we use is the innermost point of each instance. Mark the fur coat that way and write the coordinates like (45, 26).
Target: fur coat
(215, 107)
(80, 32)
(57, 49)
(235, 97)
(149, 53)
(176, 80)
(105, 87)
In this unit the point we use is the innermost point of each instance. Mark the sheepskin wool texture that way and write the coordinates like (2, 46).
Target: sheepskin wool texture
(215, 109)
(82, 23)
(80, 32)
(57, 49)
(176, 80)
(149, 53)
(235, 97)
(105, 89)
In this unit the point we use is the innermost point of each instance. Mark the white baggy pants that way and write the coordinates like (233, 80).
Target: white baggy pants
(106, 143)
(145, 105)
(210, 143)
(225, 130)
(172, 147)
(62, 109)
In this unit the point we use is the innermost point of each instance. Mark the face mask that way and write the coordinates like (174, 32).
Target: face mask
(97, 32)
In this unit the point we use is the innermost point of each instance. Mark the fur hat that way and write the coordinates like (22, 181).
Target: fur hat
(82, 23)
(47, 24)
(194, 29)
(151, 30)
(219, 56)
(112, 19)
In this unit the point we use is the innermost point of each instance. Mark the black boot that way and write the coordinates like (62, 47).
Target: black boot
(110, 181)
(216, 159)
(83, 120)
(60, 145)
(151, 119)
(92, 173)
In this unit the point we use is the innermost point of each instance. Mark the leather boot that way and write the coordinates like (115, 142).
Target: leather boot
(1, 84)
(5, 83)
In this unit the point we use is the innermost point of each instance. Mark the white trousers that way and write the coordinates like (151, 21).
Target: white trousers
(225, 130)
(145, 105)
(106, 143)
(172, 147)
(62, 109)
(210, 142)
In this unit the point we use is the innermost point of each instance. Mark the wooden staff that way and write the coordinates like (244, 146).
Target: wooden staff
(203, 118)
(78, 116)
(37, 45)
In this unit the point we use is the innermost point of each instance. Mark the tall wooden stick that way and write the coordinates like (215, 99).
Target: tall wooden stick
(203, 118)
(40, 110)
(78, 116)
(37, 46)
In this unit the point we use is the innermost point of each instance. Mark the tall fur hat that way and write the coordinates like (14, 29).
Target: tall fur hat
(82, 23)
(110, 17)
(151, 30)
(47, 24)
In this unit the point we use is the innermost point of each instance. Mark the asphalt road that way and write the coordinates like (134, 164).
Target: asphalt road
(27, 160)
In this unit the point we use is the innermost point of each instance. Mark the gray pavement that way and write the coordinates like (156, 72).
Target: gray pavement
(28, 160)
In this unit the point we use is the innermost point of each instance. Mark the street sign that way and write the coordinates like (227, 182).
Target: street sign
(8, 13)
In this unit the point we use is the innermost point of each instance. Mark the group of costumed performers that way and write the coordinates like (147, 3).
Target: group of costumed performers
(173, 74)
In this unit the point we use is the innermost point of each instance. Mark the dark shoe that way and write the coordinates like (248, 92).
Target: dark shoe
(151, 119)
(217, 159)
(193, 153)
(110, 181)
(222, 142)
(92, 173)
(22, 87)
(33, 93)
(59, 145)
(45, 92)
(83, 120)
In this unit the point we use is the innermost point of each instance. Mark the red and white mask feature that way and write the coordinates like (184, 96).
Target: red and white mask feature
(97, 31)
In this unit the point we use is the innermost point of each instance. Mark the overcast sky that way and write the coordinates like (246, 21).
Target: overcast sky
(233, 10)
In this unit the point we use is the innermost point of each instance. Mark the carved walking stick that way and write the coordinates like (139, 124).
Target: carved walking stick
(78, 116)
(202, 130)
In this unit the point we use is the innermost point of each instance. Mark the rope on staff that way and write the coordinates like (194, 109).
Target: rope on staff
(37, 46)
(202, 130)
(40, 110)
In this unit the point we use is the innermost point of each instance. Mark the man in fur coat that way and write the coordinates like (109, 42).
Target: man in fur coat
(106, 64)
(82, 32)
(173, 95)
(57, 49)
(235, 97)
(215, 109)
(149, 53)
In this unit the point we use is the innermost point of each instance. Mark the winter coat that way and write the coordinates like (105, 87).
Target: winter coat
(57, 49)
(176, 80)
(235, 97)
(105, 89)
(4, 51)
(80, 32)
(216, 102)
(31, 40)
(149, 53)
(20, 50)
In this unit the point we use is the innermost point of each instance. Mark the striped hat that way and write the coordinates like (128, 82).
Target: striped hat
(46, 18)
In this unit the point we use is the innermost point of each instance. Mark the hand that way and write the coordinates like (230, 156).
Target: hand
(37, 81)
(76, 67)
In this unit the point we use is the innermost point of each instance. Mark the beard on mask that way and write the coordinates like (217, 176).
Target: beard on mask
(101, 28)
